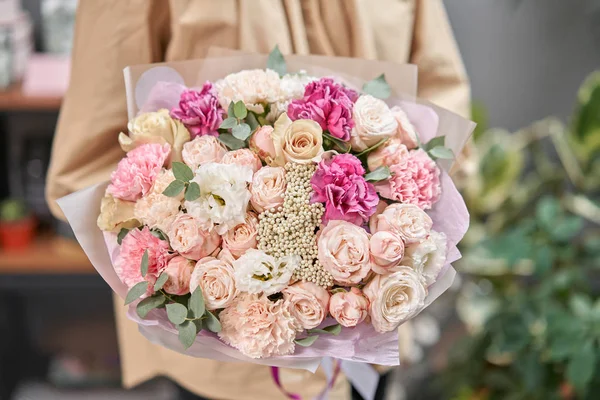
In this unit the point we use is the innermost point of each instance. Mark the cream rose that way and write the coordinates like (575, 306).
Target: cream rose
(179, 269)
(157, 211)
(406, 131)
(373, 121)
(242, 237)
(300, 141)
(308, 304)
(387, 250)
(116, 214)
(267, 188)
(343, 251)
(427, 257)
(243, 157)
(190, 240)
(349, 308)
(155, 127)
(216, 280)
(391, 153)
(406, 220)
(203, 150)
(395, 298)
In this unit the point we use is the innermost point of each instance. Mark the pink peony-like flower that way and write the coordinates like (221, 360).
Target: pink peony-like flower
(349, 308)
(339, 183)
(258, 327)
(268, 188)
(216, 279)
(243, 157)
(415, 180)
(308, 304)
(200, 111)
(405, 220)
(391, 153)
(387, 250)
(136, 173)
(189, 239)
(179, 269)
(202, 150)
(329, 104)
(242, 237)
(128, 264)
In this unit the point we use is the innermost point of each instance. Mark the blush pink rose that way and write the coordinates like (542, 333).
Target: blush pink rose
(136, 173)
(406, 130)
(216, 279)
(200, 111)
(129, 261)
(349, 308)
(308, 304)
(203, 150)
(261, 142)
(391, 153)
(406, 220)
(243, 157)
(387, 250)
(179, 269)
(268, 188)
(243, 236)
(190, 240)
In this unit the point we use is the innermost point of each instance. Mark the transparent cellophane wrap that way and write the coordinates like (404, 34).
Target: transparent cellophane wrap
(154, 86)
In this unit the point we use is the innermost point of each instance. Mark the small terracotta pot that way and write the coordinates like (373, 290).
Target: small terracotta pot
(17, 235)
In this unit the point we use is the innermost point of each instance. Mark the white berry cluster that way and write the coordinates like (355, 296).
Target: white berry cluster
(291, 228)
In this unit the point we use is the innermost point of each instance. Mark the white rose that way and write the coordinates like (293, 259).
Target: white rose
(373, 121)
(427, 257)
(268, 188)
(157, 211)
(255, 88)
(394, 298)
(202, 150)
(217, 281)
(258, 272)
(406, 220)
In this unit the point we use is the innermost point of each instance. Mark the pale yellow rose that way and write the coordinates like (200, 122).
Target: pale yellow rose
(300, 141)
(116, 214)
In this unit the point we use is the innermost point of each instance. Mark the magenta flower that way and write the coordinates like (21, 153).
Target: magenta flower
(340, 184)
(329, 104)
(199, 111)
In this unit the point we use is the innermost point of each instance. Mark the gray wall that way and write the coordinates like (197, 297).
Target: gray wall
(526, 58)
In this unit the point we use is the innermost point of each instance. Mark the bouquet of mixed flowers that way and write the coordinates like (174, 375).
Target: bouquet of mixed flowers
(275, 217)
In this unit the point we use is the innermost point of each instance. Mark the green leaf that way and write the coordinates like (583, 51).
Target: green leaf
(343, 146)
(544, 259)
(228, 123)
(239, 110)
(566, 228)
(276, 62)
(158, 233)
(160, 282)
(122, 233)
(561, 347)
(328, 330)
(231, 142)
(176, 313)
(174, 188)
(187, 333)
(144, 264)
(196, 303)
(241, 131)
(230, 112)
(581, 306)
(136, 292)
(212, 322)
(547, 211)
(441, 152)
(182, 172)
(199, 324)
(378, 87)
(435, 142)
(370, 149)
(149, 304)
(531, 369)
(192, 192)
(580, 369)
(252, 121)
(307, 341)
(379, 174)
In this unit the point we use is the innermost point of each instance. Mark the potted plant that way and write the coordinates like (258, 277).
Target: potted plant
(17, 225)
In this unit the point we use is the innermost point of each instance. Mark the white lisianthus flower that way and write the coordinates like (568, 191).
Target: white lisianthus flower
(258, 272)
(254, 87)
(427, 257)
(224, 196)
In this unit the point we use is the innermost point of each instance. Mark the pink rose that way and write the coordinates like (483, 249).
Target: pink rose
(329, 104)
(203, 150)
(226, 256)
(406, 220)
(267, 188)
(349, 308)
(242, 237)
(406, 131)
(261, 142)
(308, 304)
(190, 240)
(199, 111)
(135, 174)
(216, 279)
(179, 270)
(258, 327)
(129, 262)
(415, 180)
(340, 184)
(381, 206)
(387, 250)
(243, 157)
(343, 251)
(391, 153)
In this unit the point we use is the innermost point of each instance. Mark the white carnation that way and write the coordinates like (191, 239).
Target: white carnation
(255, 88)
(427, 257)
(258, 272)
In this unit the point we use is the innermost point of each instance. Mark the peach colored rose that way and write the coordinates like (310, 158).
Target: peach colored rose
(215, 278)
(243, 157)
(300, 141)
(243, 236)
(203, 150)
(308, 304)
(190, 240)
(267, 188)
(374, 122)
(226, 256)
(261, 142)
(343, 251)
(116, 214)
(391, 153)
(407, 220)
(349, 308)
(157, 210)
(406, 131)
(179, 270)
(387, 250)
(381, 206)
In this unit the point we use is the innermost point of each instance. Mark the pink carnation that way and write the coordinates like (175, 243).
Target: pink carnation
(128, 264)
(199, 111)
(136, 173)
(339, 183)
(329, 104)
(415, 180)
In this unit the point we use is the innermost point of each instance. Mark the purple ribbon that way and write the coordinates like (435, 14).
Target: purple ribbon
(293, 396)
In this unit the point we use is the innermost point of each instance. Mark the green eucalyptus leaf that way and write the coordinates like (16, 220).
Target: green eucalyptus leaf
(160, 282)
(176, 313)
(158, 233)
(230, 112)
(343, 146)
(307, 341)
(581, 306)
(252, 121)
(435, 142)
(182, 172)
(122, 233)
(328, 330)
(192, 192)
(199, 324)
(196, 303)
(187, 333)
(148, 304)
(239, 110)
(441, 152)
(580, 369)
(231, 142)
(276, 62)
(547, 211)
(212, 323)
(378, 87)
(241, 131)
(379, 174)
(566, 228)
(137, 291)
(228, 123)
(144, 264)
(174, 188)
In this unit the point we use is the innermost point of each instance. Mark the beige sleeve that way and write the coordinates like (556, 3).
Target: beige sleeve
(109, 35)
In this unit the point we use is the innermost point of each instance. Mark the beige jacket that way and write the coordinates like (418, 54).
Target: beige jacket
(112, 34)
